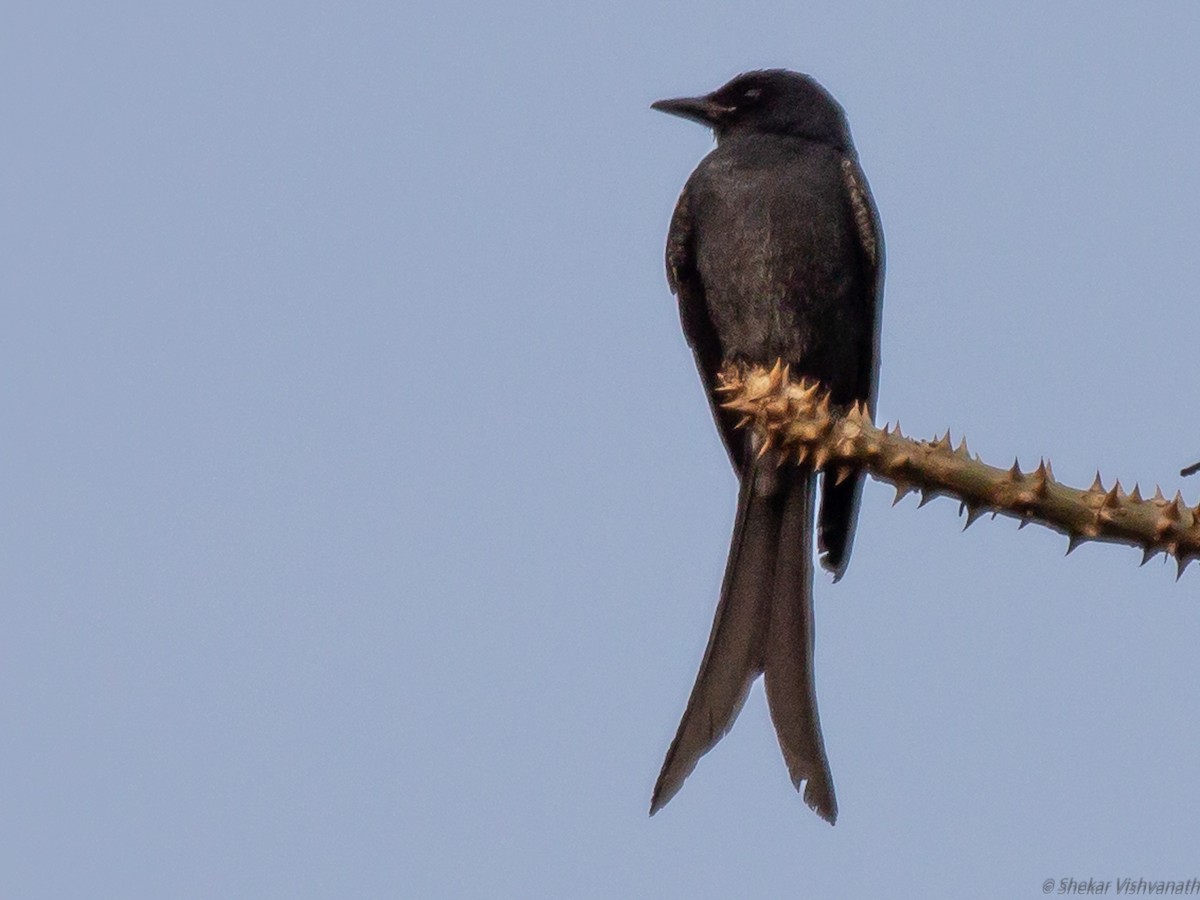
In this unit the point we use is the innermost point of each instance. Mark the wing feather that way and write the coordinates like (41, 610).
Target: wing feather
(688, 287)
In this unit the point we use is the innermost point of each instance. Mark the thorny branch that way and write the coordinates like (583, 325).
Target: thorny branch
(797, 418)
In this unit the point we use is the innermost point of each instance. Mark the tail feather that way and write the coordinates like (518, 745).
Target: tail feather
(735, 652)
(763, 622)
(791, 695)
(835, 524)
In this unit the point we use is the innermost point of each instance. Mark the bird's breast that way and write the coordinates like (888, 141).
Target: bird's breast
(775, 251)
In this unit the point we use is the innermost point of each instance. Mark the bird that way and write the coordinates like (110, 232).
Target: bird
(774, 253)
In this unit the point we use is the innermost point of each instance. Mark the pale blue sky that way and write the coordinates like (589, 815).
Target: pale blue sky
(362, 515)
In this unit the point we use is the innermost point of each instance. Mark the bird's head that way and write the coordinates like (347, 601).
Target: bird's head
(772, 101)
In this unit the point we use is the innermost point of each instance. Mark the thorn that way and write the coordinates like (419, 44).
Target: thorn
(823, 406)
(843, 473)
(801, 453)
(1135, 496)
(1073, 541)
(973, 514)
(962, 449)
(1148, 553)
(944, 443)
(762, 451)
(1112, 498)
(1171, 510)
(1039, 479)
(1014, 474)
(744, 421)
(1022, 523)
(887, 428)
(819, 458)
(1158, 494)
(776, 373)
(927, 494)
(1097, 485)
(1182, 563)
(902, 490)
(897, 430)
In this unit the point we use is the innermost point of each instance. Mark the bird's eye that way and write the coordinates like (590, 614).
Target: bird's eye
(752, 94)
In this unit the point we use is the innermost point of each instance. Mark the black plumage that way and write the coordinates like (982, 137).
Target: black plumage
(774, 253)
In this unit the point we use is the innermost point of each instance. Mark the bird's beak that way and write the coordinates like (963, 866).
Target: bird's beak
(704, 110)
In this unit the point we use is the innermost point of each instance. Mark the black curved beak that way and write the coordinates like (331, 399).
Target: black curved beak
(704, 110)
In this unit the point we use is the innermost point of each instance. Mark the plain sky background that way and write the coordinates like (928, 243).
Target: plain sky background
(361, 516)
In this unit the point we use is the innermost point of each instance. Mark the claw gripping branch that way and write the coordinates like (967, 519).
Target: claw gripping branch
(798, 419)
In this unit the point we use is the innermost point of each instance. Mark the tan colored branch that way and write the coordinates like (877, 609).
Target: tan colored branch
(797, 418)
